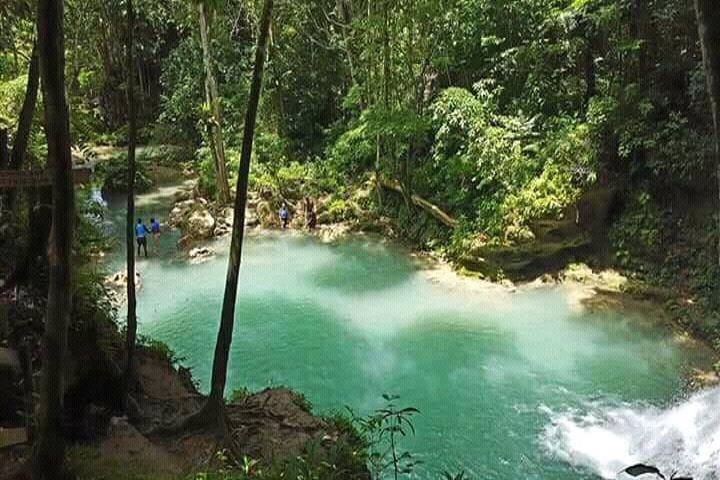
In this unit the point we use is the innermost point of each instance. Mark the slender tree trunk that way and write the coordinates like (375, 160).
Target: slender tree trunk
(227, 320)
(22, 136)
(213, 101)
(49, 448)
(4, 153)
(708, 16)
(131, 332)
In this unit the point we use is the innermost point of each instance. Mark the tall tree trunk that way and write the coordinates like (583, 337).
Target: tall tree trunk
(131, 332)
(4, 153)
(213, 101)
(708, 16)
(49, 448)
(227, 320)
(22, 136)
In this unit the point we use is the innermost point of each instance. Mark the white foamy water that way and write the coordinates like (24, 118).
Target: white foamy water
(684, 438)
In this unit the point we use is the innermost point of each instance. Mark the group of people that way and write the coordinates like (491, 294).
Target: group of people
(310, 215)
(141, 233)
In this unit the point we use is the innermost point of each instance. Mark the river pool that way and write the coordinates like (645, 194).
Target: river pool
(510, 386)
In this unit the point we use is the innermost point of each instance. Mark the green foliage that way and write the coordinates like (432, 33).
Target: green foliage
(381, 432)
(159, 349)
(205, 168)
(638, 232)
(503, 171)
(12, 93)
(115, 174)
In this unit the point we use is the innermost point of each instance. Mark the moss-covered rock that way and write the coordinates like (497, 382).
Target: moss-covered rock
(525, 261)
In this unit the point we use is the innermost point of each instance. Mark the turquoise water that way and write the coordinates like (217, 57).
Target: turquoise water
(492, 372)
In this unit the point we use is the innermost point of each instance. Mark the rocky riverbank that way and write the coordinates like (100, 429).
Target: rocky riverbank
(547, 261)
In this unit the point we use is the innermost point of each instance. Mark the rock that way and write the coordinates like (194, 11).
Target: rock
(698, 379)
(609, 280)
(333, 232)
(183, 195)
(221, 230)
(201, 254)
(524, 261)
(200, 224)
(181, 211)
(184, 242)
(266, 215)
(508, 284)
(251, 219)
(324, 218)
(543, 281)
(118, 281)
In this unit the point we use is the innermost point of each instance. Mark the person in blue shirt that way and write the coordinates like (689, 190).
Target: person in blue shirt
(155, 234)
(284, 216)
(140, 235)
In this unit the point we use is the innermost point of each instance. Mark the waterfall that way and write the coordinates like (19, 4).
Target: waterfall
(683, 437)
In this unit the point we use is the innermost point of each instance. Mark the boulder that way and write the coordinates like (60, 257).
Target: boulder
(525, 261)
(200, 254)
(200, 224)
(183, 195)
(118, 280)
(266, 214)
(181, 211)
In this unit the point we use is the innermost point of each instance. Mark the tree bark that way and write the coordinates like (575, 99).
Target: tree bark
(430, 208)
(22, 136)
(4, 154)
(708, 16)
(131, 333)
(213, 101)
(49, 448)
(227, 320)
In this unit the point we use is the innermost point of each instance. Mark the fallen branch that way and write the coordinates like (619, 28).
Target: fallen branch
(430, 208)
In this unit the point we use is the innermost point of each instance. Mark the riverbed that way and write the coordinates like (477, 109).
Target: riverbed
(510, 385)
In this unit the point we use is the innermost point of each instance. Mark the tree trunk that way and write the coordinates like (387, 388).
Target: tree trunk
(131, 332)
(227, 320)
(430, 208)
(708, 16)
(49, 448)
(4, 154)
(213, 101)
(22, 136)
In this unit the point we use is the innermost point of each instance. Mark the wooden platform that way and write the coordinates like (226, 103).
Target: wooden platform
(11, 179)
(12, 436)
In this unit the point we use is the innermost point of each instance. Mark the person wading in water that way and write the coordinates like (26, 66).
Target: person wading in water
(155, 234)
(141, 232)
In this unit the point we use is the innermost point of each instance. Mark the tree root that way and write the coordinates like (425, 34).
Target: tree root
(211, 416)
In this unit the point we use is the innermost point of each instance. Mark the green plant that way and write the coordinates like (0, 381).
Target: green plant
(382, 431)
(160, 349)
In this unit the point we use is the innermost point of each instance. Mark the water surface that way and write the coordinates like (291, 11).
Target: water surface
(510, 386)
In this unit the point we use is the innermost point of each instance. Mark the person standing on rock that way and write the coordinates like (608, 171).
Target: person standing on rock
(155, 234)
(284, 216)
(141, 232)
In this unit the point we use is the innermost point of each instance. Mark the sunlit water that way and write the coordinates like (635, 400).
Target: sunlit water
(510, 386)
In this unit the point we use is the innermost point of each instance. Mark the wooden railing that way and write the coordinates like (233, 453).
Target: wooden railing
(12, 179)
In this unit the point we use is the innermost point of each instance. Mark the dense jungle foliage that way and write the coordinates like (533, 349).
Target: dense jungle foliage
(501, 114)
